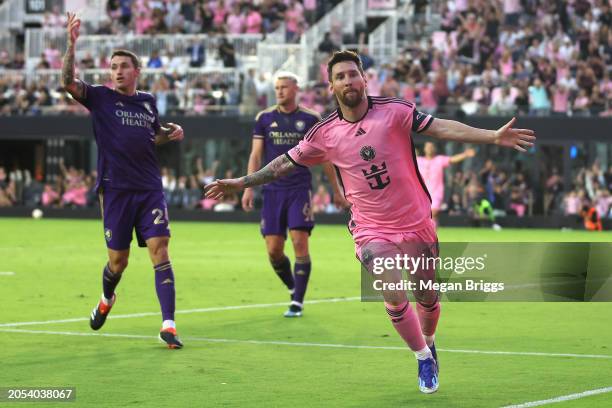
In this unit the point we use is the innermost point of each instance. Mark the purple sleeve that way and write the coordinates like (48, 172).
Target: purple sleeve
(91, 95)
(259, 130)
(156, 124)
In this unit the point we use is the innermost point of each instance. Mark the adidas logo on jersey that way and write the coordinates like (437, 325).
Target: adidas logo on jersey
(360, 132)
(274, 124)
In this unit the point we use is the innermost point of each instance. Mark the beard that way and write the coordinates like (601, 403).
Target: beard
(351, 99)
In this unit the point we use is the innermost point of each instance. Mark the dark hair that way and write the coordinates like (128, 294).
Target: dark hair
(343, 56)
(126, 53)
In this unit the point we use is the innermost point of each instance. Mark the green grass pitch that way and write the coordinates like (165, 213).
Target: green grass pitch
(252, 356)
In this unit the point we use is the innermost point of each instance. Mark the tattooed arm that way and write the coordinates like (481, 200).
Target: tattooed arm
(277, 168)
(71, 84)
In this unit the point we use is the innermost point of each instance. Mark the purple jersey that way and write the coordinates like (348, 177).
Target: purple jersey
(125, 128)
(280, 132)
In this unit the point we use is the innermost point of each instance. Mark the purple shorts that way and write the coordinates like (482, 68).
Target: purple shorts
(284, 209)
(124, 211)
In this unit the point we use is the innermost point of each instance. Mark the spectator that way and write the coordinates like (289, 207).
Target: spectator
(235, 21)
(197, 54)
(154, 60)
(227, 53)
(539, 104)
(253, 20)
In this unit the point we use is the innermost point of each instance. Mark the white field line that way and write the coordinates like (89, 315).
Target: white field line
(188, 311)
(298, 344)
(561, 399)
(7, 273)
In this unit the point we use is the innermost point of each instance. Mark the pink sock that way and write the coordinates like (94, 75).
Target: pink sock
(428, 317)
(406, 322)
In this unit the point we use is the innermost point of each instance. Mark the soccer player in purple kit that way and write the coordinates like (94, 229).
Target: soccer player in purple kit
(127, 129)
(287, 201)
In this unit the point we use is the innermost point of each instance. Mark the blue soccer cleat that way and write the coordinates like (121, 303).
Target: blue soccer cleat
(428, 376)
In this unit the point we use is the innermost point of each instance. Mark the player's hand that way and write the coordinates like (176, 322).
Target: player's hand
(340, 202)
(518, 139)
(176, 134)
(248, 198)
(73, 26)
(222, 188)
(470, 153)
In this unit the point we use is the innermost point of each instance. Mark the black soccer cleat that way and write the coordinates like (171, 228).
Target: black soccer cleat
(170, 337)
(98, 315)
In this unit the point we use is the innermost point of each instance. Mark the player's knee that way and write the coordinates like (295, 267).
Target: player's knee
(159, 253)
(276, 254)
(118, 265)
(300, 246)
(395, 298)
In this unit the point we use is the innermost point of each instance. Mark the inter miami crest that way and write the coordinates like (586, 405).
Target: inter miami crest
(300, 125)
(367, 153)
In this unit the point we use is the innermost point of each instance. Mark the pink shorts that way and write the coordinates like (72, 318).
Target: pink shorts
(371, 245)
(364, 237)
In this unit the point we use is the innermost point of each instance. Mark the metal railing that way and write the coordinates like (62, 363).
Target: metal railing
(382, 42)
(51, 77)
(283, 57)
(37, 40)
(275, 55)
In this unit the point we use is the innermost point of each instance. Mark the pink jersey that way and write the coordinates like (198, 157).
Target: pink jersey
(376, 164)
(432, 171)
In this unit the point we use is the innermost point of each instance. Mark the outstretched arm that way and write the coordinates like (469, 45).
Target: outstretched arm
(458, 158)
(72, 85)
(518, 139)
(277, 168)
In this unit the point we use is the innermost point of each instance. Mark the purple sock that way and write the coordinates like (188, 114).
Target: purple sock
(302, 273)
(283, 270)
(109, 282)
(164, 285)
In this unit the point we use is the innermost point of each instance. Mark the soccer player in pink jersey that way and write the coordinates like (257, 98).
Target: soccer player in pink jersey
(432, 168)
(369, 141)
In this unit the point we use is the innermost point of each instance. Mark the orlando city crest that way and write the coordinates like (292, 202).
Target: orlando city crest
(367, 153)
(300, 125)
(148, 107)
(108, 234)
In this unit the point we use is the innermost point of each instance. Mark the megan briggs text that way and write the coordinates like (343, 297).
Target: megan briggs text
(468, 285)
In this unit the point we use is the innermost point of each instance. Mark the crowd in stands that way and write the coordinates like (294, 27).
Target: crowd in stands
(501, 57)
(508, 190)
(592, 186)
(204, 16)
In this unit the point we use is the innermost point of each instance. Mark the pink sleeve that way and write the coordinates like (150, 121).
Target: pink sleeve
(307, 154)
(413, 119)
(310, 151)
(445, 161)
